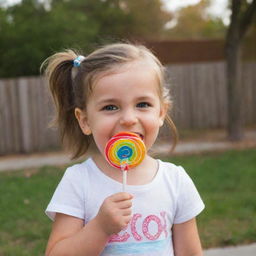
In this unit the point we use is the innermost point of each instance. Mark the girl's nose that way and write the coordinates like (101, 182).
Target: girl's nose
(128, 118)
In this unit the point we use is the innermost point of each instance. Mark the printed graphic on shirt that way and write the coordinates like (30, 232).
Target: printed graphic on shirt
(152, 248)
(144, 235)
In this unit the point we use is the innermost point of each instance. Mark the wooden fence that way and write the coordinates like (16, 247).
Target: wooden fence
(198, 92)
(25, 112)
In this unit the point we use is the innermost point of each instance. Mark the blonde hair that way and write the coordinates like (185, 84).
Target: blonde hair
(71, 86)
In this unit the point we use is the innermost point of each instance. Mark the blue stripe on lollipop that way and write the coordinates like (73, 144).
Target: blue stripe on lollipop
(124, 152)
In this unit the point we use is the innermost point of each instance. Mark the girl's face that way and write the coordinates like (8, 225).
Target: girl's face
(125, 100)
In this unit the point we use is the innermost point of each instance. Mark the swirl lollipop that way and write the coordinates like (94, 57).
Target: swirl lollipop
(124, 151)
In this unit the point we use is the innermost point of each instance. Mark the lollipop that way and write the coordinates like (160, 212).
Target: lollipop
(124, 151)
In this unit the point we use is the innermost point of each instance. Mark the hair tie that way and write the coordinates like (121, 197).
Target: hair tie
(77, 61)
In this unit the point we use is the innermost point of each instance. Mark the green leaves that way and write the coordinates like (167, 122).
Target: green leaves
(32, 30)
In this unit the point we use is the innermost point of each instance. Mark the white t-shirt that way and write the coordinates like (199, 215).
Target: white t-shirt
(170, 198)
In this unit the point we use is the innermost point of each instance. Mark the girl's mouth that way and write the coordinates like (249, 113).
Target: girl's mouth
(141, 136)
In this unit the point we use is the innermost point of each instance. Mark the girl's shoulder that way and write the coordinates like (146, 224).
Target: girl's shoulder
(172, 172)
(170, 168)
(78, 170)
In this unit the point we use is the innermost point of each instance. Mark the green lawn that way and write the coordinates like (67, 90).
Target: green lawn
(226, 183)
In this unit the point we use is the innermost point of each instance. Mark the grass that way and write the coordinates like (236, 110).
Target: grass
(24, 196)
(226, 183)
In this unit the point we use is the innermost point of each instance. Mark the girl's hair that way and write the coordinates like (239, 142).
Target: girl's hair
(71, 86)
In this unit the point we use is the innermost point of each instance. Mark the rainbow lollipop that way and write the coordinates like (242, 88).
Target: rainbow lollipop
(124, 151)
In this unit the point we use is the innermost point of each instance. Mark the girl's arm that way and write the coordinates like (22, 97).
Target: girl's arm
(70, 237)
(186, 241)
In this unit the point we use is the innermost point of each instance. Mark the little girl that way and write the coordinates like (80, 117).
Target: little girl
(117, 88)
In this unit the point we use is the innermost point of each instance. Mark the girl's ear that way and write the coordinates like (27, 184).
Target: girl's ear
(82, 120)
(163, 112)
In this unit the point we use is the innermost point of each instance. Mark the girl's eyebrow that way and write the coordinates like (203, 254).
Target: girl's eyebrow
(146, 97)
(140, 98)
(110, 100)
(106, 100)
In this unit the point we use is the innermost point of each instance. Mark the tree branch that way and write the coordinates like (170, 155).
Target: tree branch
(247, 18)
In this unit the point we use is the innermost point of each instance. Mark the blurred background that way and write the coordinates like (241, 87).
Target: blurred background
(190, 38)
(209, 50)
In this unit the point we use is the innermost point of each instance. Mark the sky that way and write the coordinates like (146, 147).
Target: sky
(218, 7)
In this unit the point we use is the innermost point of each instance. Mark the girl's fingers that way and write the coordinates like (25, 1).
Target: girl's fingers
(124, 204)
(127, 212)
(122, 196)
(127, 220)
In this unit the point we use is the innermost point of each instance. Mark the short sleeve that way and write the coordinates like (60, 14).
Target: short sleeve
(189, 202)
(69, 196)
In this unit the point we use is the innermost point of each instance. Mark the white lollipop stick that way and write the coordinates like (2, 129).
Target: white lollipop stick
(124, 171)
(124, 180)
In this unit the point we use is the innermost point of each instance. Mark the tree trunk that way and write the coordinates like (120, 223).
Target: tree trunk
(233, 68)
(235, 93)
(242, 16)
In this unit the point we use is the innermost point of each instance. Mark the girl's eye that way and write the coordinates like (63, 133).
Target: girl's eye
(143, 105)
(110, 108)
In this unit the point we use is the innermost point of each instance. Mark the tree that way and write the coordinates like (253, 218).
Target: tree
(193, 22)
(148, 18)
(242, 16)
(32, 30)
(16, 36)
(30, 33)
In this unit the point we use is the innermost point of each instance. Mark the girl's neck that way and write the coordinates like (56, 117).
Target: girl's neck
(140, 175)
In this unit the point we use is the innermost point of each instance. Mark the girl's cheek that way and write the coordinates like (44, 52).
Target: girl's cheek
(152, 117)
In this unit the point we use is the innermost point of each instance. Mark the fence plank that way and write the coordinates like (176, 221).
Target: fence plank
(249, 84)
(7, 117)
(13, 115)
(3, 147)
(25, 113)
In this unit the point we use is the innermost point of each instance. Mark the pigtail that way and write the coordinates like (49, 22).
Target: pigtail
(59, 75)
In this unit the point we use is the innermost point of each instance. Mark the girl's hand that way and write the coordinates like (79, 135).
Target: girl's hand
(115, 213)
